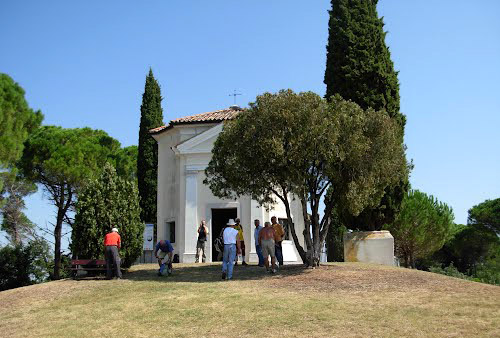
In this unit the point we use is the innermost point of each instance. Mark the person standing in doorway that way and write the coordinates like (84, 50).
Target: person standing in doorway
(258, 248)
(202, 239)
(231, 247)
(112, 244)
(239, 227)
(278, 228)
(164, 253)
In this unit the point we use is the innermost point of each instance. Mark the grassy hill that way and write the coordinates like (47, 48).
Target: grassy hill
(341, 299)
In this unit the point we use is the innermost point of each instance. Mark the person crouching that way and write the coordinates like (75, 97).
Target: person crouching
(164, 254)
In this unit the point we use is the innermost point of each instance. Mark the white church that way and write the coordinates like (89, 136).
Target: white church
(184, 151)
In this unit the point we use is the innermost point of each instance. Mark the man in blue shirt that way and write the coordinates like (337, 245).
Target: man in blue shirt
(164, 254)
(258, 248)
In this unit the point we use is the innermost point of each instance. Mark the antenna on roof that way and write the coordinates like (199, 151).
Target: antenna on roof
(234, 96)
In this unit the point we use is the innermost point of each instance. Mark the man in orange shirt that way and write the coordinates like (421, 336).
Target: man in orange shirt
(112, 243)
(280, 232)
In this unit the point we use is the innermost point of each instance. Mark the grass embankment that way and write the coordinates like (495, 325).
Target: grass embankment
(342, 299)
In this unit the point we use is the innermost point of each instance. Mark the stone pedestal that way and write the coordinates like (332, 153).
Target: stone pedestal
(369, 247)
(290, 253)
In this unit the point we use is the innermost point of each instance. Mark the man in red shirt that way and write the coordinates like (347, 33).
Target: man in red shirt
(112, 243)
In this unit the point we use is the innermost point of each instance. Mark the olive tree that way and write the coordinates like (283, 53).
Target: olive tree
(289, 145)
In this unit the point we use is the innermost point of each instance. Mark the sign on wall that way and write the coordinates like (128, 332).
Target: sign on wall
(148, 237)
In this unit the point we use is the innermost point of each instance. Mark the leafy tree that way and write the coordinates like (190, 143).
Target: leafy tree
(147, 159)
(22, 265)
(126, 163)
(304, 145)
(422, 227)
(487, 214)
(106, 202)
(62, 160)
(470, 247)
(14, 221)
(17, 120)
(359, 68)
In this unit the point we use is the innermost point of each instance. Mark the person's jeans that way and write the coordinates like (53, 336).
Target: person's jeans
(279, 253)
(259, 254)
(228, 259)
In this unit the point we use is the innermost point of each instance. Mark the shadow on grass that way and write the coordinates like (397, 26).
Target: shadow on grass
(209, 273)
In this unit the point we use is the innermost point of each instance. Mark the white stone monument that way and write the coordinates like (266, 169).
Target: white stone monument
(369, 247)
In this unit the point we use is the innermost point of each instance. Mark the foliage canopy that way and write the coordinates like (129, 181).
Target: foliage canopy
(289, 145)
(487, 214)
(17, 120)
(359, 68)
(106, 202)
(147, 160)
(62, 161)
(22, 265)
(422, 227)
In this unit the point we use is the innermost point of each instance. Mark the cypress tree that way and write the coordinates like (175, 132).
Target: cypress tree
(358, 62)
(359, 68)
(147, 159)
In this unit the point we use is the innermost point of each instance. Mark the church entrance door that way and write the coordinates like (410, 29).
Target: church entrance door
(220, 217)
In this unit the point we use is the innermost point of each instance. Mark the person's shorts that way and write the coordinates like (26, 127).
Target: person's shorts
(267, 247)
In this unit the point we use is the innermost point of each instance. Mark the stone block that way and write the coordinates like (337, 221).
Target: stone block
(369, 247)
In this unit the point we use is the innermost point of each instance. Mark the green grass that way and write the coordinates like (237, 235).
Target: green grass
(341, 299)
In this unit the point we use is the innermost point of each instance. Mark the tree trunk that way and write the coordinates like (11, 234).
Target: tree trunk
(57, 246)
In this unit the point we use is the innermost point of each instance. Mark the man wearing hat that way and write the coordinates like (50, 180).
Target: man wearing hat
(112, 243)
(231, 245)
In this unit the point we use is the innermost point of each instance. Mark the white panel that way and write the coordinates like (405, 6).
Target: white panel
(191, 207)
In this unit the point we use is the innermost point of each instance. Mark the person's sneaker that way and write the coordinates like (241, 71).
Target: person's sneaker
(235, 263)
(261, 265)
(159, 273)
(224, 275)
(273, 271)
(244, 263)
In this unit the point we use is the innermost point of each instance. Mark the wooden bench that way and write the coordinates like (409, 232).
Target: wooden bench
(87, 265)
(91, 266)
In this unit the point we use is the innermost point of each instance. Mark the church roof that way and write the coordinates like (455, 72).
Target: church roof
(208, 117)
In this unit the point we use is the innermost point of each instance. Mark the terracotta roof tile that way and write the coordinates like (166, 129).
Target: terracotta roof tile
(209, 117)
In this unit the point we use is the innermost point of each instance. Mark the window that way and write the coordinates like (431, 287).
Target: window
(286, 227)
(170, 231)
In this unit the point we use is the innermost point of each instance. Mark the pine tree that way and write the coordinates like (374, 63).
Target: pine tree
(107, 202)
(359, 68)
(147, 159)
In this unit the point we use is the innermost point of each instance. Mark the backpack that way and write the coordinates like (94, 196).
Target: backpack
(219, 241)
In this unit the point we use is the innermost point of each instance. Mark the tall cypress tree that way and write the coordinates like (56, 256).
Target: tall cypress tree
(358, 63)
(359, 68)
(147, 159)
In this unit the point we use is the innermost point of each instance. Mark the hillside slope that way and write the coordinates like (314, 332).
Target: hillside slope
(341, 299)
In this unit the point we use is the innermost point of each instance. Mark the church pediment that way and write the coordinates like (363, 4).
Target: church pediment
(201, 143)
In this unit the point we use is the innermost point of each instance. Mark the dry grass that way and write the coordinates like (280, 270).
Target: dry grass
(342, 299)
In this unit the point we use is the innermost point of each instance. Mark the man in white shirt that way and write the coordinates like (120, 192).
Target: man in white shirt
(231, 245)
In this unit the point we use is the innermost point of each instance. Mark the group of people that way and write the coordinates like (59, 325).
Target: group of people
(268, 241)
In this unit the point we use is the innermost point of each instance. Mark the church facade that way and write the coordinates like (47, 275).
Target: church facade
(184, 151)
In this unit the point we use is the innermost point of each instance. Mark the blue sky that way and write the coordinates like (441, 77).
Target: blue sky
(84, 64)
